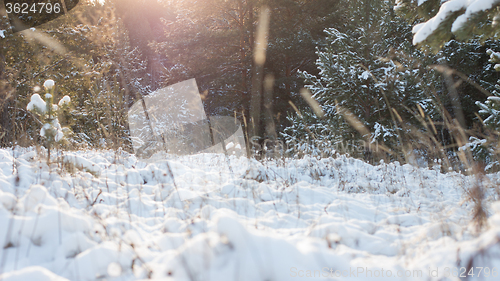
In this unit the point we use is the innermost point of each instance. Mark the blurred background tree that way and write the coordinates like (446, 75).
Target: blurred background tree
(213, 41)
(107, 55)
(367, 67)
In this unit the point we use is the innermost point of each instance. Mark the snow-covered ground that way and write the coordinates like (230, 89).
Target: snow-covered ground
(107, 216)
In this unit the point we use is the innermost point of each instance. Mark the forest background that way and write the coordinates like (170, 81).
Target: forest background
(431, 100)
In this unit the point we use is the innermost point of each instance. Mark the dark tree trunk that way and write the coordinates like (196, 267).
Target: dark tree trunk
(142, 19)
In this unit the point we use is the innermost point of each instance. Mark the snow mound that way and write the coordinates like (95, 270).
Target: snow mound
(218, 217)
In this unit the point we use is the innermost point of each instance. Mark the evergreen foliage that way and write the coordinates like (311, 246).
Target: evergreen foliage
(439, 25)
(366, 71)
(468, 76)
(438, 21)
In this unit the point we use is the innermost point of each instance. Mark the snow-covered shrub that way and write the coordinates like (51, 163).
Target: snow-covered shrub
(48, 113)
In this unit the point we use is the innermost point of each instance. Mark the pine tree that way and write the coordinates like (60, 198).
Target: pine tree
(485, 148)
(295, 29)
(213, 41)
(366, 70)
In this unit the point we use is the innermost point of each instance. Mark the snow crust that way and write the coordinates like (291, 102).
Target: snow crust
(108, 216)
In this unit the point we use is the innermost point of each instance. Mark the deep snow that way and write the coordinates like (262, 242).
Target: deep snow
(107, 216)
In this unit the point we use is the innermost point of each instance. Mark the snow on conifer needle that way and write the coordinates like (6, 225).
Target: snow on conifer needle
(37, 103)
